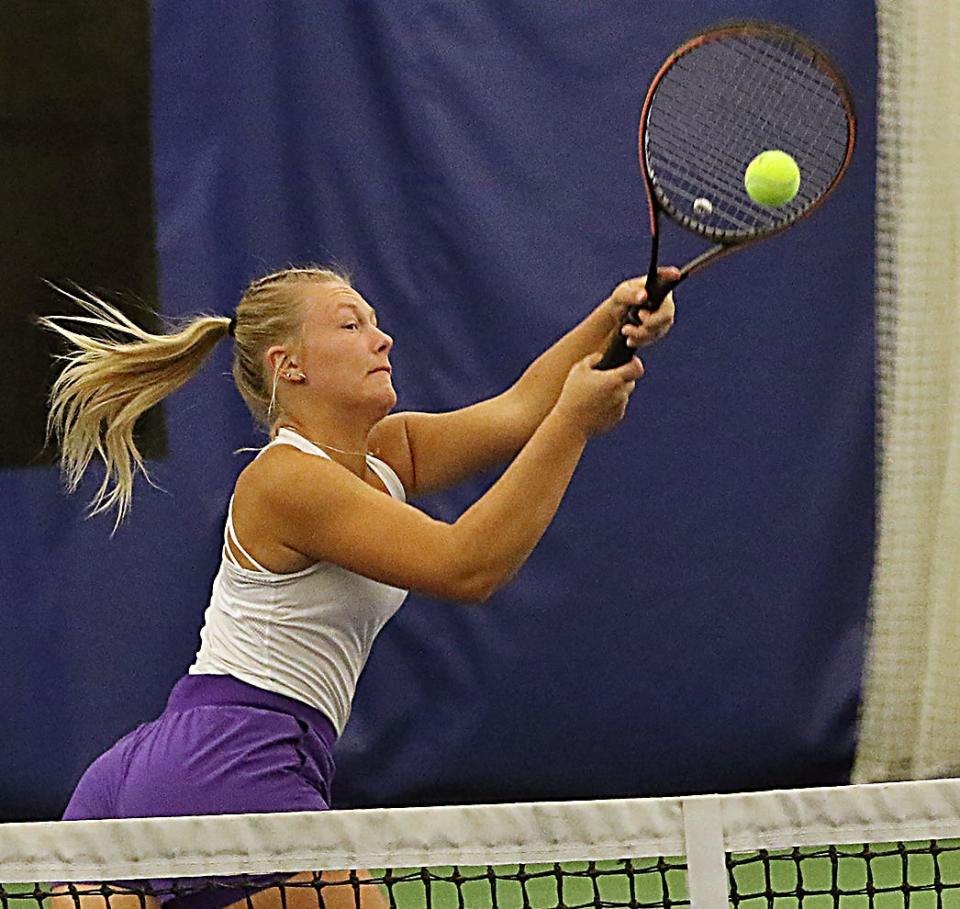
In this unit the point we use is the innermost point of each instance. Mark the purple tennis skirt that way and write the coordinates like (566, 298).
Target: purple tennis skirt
(220, 746)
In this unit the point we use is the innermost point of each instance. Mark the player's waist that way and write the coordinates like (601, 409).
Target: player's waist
(203, 690)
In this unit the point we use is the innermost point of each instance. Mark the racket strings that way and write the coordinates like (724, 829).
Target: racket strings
(723, 102)
(819, 92)
(784, 62)
(689, 188)
(753, 100)
(680, 153)
(812, 82)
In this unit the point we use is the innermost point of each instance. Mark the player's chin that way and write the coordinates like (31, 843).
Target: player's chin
(386, 398)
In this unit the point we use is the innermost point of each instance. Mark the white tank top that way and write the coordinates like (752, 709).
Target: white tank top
(306, 634)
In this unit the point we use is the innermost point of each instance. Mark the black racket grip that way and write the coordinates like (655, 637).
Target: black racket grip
(618, 353)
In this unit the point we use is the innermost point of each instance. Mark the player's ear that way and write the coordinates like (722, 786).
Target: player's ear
(273, 358)
(279, 357)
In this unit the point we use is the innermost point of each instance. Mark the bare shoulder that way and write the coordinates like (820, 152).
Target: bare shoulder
(263, 490)
(279, 471)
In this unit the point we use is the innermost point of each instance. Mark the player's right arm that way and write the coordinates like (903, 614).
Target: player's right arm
(325, 512)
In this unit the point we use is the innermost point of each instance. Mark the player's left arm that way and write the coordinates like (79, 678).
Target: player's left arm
(435, 451)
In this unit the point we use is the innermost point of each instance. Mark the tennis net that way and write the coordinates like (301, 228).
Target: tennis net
(879, 845)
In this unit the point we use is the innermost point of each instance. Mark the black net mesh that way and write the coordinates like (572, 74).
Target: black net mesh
(634, 883)
(886, 876)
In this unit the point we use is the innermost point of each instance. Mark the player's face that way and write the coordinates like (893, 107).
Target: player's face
(345, 353)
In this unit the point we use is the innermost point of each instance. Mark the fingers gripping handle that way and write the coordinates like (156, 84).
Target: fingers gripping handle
(618, 353)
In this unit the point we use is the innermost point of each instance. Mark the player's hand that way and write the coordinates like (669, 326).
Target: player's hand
(596, 400)
(653, 325)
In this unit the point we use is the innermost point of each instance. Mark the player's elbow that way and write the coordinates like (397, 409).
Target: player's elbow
(472, 580)
(465, 586)
(483, 581)
(478, 565)
(477, 589)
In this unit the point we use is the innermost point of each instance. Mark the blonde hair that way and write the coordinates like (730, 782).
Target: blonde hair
(109, 382)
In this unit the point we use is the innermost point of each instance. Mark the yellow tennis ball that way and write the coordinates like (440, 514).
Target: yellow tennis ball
(772, 178)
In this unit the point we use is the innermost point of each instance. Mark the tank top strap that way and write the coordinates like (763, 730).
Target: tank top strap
(284, 437)
(230, 536)
(388, 476)
(287, 436)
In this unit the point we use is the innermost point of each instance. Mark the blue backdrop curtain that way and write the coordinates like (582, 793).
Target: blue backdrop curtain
(694, 619)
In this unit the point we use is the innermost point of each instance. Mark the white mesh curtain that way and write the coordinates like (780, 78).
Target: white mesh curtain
(910, 721)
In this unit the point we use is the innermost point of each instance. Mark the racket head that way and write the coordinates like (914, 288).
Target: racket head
(724, 96)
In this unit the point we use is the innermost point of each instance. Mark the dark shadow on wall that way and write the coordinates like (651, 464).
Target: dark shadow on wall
(75, 194)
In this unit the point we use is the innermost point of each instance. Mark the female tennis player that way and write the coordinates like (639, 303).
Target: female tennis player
(320, 545)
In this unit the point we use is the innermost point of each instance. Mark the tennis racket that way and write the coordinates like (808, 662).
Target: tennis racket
(726, 95)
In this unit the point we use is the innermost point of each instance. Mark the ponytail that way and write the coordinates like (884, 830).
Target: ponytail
(108, 383)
